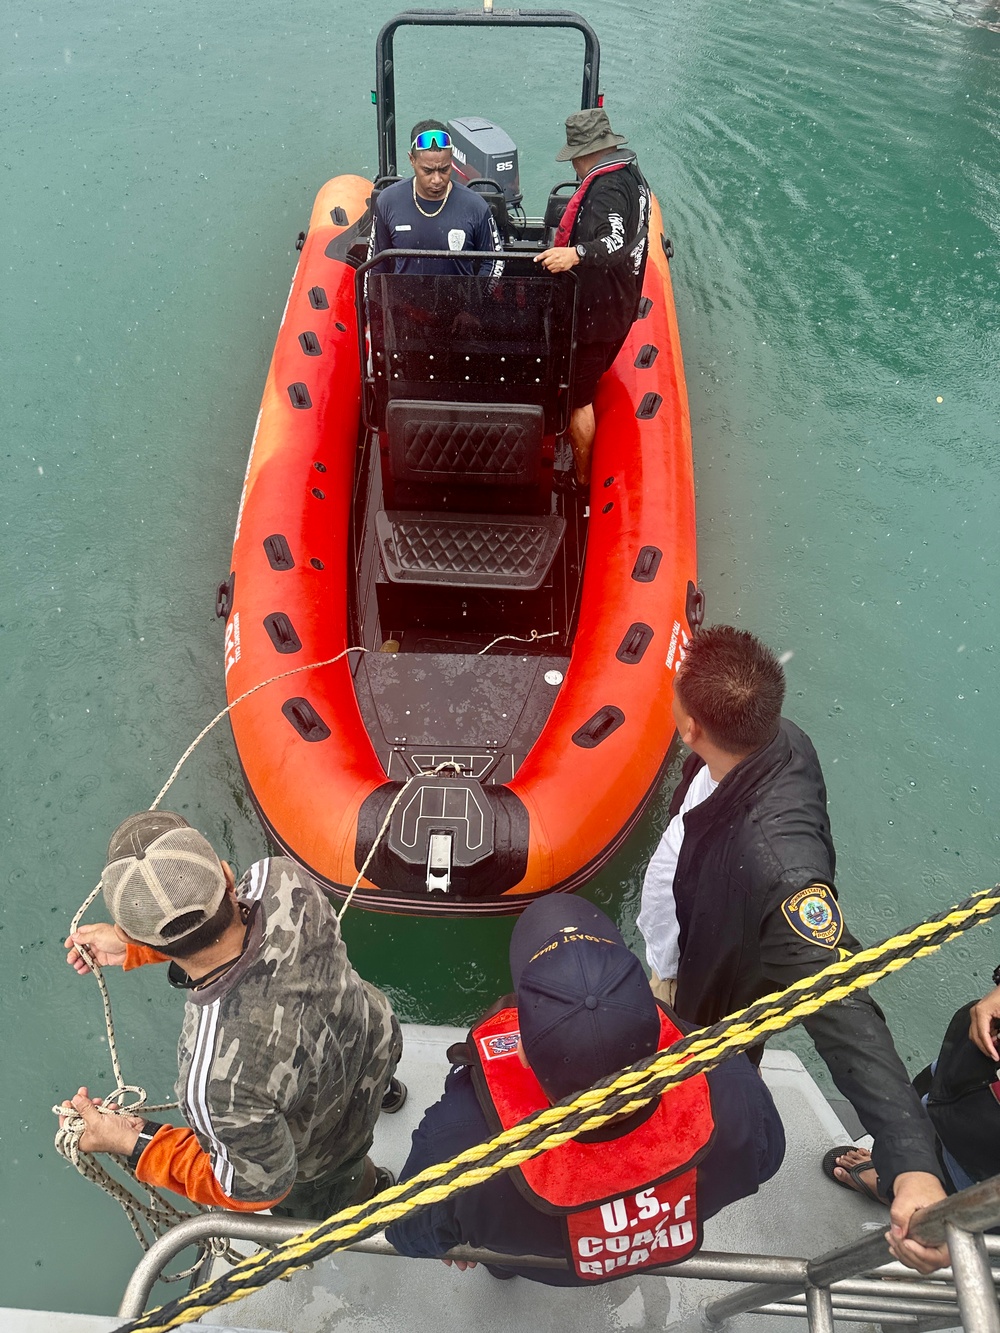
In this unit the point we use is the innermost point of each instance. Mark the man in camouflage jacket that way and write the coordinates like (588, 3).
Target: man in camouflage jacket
(285, 1054)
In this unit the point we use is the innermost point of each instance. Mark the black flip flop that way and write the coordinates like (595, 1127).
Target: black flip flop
(860, 1186)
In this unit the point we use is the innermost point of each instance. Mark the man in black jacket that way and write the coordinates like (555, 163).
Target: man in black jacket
(739, 900)
(603, 236)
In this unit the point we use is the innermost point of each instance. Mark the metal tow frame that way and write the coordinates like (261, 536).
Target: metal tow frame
(385, 66)
(855, 1283)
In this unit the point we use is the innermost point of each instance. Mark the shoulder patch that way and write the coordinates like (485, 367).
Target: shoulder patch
(501, 1043)
(814, 914)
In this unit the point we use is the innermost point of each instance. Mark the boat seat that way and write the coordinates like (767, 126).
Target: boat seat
(497, 200)
(381, 183)
(357, 251)
(487, 444)
(465, 507)
(559, 197)
(468, 550)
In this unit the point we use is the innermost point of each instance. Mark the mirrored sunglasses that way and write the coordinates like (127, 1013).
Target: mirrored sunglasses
(431, 139)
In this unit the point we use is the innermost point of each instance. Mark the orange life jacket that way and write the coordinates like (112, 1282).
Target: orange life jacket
(630, 1202)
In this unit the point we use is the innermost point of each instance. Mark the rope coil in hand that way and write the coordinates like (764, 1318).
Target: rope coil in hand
(128, 1099)
(696, 1053)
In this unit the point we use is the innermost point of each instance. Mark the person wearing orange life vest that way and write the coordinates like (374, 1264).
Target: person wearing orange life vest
(620, 1200)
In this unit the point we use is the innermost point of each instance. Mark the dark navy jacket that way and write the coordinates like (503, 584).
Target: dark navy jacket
(749, 850)
(748, 1148)
(463, 222)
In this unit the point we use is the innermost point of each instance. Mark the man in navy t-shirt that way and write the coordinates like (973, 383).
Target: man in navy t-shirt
(432, 212)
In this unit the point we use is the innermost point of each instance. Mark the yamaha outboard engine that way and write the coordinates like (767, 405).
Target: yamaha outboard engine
(481, 150)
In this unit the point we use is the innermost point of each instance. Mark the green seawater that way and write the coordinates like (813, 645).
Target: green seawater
(828, 171)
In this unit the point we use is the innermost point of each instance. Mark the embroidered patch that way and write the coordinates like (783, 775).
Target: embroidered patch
(814, 914)
(456, 238)
(502, 1044)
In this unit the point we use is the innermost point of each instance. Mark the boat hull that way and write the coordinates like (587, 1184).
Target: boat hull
(307, 755)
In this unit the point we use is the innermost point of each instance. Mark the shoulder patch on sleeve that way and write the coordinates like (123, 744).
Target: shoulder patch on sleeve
(814, 914)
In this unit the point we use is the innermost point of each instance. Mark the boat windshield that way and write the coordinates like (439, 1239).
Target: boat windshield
(468, 338)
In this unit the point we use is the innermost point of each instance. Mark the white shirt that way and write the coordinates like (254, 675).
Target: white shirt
(658, 912)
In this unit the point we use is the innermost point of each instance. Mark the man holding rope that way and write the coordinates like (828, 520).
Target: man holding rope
(286, 1056)
(739, 901)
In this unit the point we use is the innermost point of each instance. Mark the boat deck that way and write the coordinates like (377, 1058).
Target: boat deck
(798, 1213)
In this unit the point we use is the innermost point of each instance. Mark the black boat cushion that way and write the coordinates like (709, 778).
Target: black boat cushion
(484, 444)
(468, 550)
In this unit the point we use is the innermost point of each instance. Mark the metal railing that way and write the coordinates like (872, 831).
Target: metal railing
(854, 1283)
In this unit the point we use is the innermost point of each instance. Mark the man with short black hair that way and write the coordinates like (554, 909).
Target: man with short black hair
(431, 212)
(739, 899)
(616, 1201)
(286, 1056)
(603, 238)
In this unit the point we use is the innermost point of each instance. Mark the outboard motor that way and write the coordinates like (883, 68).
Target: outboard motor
(481, 150)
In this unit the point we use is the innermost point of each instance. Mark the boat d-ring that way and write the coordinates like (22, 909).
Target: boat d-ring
(224, 597)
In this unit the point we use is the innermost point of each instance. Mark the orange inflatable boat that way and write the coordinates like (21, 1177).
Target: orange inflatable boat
(444, 666)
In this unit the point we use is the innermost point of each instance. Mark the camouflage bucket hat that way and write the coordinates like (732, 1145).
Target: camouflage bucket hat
(588, 132)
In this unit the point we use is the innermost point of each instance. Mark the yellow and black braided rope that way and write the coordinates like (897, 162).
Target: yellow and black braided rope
(696, 1053)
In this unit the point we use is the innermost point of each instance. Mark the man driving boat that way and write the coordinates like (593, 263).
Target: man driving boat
(431, 211)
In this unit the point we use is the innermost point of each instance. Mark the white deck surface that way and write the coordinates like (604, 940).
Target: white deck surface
(797, 1213)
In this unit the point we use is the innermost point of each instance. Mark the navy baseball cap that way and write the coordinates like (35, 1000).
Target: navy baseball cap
(583, 1000)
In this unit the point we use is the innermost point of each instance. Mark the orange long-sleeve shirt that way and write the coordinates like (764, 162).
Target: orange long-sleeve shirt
(174, 1159)
(281, 1059)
